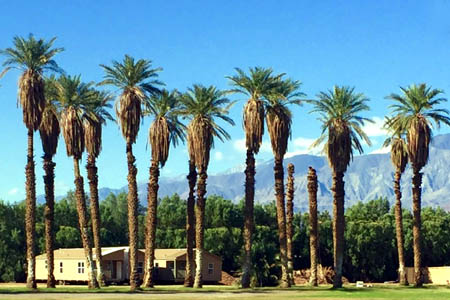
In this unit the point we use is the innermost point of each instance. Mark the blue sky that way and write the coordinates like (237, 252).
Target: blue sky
(375, 46)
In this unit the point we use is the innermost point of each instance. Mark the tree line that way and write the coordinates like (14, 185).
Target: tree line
(78, 110)
(369, 227)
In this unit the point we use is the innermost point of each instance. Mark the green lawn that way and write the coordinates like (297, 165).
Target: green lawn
(212, 292)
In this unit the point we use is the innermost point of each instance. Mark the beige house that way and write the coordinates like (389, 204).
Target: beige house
(434, 275)
(170, 265)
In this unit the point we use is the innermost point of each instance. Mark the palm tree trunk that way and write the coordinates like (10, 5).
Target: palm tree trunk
(281, 219)
(83, 223)
(338, 226)
(152, 201)
(313, 225)
(132, 200)
(399, 229)
(49, 179)
(190, 227)
(30, 213)
(200, 227)
(95, 216)
(248, 217)
(417, 235)
(289, 220)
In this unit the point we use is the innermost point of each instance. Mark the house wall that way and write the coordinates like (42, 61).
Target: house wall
(216, 274)
(70, 270)
(434, 275)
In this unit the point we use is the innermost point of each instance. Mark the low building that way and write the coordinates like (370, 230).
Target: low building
(170, 265)
(433, 275)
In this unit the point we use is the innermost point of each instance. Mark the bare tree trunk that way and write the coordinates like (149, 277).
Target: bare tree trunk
(281, 220)
(417, 234)
(49, 179)
(152, 202)
(132, 200)
(95, 216)
(190, 227)
(313, 225)
(248, 218)
(289, 221)
(30, 213)
(200, 227)
(338, 226)
(399, 229)
(83, 223)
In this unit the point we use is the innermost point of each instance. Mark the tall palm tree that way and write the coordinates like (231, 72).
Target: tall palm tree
(96, 116)
(136, 80)
(313, 225)
(33, 57)
(74, 96)
(49, 131)
(414, 110)
(399, 159)
(279, 120)
(259, 83)
(164, 129)
(289, 220)
(190, 218)
(341, 129)
(202, 105)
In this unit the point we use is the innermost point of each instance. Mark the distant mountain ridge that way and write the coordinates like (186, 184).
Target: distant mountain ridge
(368, 176)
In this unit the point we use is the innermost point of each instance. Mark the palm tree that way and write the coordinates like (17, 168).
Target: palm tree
(313, 225)
(190, 219)
(165, 128)
(136, 80)
(341, 128)
(257, 85)
(33, 57)
(202, 105)
(49, 131)
(414, 111)
(279, 120)
(399, 159)
(74, 97)
(96, 116)
(289, 219)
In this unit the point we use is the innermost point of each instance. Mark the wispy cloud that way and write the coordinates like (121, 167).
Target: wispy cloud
(239, 145)
(381, 150)
(13, 191)
(218, 155)
(374, 129)
(301, 145)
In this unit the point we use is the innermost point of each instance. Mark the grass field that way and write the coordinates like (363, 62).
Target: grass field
(15, 291)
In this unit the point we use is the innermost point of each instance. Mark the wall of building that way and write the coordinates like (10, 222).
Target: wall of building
(434, 275)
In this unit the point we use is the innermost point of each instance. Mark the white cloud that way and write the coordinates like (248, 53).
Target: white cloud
(240, 146)
(374, 129)
(13, 191)
(218, 155)
(382, 150)
(303, 143)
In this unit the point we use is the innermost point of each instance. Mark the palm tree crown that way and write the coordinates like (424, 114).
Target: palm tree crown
(137, 81)
(96, 115)
(399, 148)
(279, 116)
(202, 105)
(33, 57)
(166, 126)
(49, 129)
(260, 83)
(338, 109)
(413, 112)
(74, 97)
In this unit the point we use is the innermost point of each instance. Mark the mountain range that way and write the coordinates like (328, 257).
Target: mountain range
(368, 177)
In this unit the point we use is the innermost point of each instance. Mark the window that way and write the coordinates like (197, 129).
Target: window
(60, 267)
(140, 266)
(80, 267)
(210, 268)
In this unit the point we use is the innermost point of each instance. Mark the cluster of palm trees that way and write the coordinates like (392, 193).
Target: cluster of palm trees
(79, 110)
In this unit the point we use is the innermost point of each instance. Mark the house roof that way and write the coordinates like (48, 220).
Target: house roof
(78, 253)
